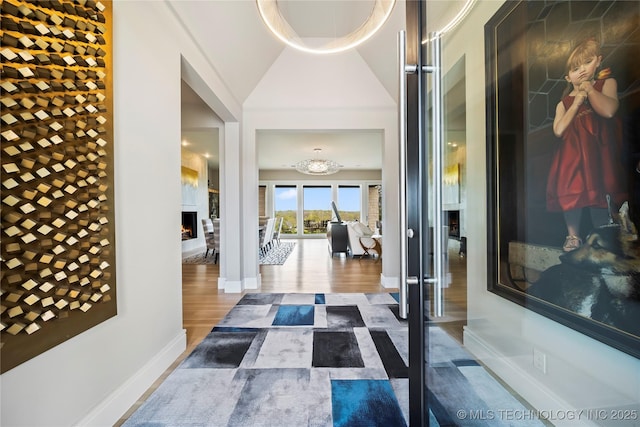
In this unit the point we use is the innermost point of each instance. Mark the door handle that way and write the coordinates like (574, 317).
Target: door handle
(435, 69)
(437, 135)
(403, 69)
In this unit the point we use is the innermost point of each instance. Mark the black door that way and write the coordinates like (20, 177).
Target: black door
(426, 226)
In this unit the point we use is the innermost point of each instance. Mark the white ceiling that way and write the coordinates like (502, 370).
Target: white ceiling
(354, 149)
(244, 32)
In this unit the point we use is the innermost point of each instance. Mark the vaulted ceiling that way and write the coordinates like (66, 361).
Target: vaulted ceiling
(249, 50)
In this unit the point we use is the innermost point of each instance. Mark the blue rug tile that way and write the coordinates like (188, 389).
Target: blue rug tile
(438, 411)
(294, 315)
(465, 362)
(369, 403)
(336, 350)
(320, 299)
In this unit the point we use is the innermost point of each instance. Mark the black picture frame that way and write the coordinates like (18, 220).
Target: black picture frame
(526, 47)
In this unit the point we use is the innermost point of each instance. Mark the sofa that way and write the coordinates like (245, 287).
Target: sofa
(359, 235)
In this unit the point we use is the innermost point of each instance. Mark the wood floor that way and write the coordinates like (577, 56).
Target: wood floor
(309, 269)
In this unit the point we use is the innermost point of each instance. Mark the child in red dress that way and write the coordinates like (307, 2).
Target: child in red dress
(587, 167)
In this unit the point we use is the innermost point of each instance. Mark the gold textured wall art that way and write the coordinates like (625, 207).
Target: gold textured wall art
(58, 232)
(189, 176)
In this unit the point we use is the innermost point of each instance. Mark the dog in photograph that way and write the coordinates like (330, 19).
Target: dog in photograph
(599, 280)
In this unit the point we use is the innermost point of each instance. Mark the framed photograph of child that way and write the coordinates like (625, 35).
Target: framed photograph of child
(563, 102)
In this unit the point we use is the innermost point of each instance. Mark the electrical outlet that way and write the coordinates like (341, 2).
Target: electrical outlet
(540, 360)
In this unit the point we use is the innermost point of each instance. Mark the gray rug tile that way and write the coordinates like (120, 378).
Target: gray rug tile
(493, 394)
(250, 316)
(185, 399)
(401, 389)
(443, 348)
(375, 299)
(368, 349)
(276, 397)
(297, 299)
(290, 348)
(379, 317)
(400, 338)
(346, 299)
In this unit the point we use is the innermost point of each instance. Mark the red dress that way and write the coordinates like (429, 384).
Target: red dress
(588, 164)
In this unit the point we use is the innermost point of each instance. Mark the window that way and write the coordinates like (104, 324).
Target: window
(317, 208)
(349, 202)
(286, 206)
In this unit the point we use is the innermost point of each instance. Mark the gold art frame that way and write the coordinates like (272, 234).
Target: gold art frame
(57, 175)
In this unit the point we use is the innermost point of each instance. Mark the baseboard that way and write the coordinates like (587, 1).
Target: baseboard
(522, 382)
(232, 286)
(118, 403)
(251, 283)
(389, 282)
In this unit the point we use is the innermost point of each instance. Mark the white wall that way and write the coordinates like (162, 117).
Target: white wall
(93, 378)
(581, 372)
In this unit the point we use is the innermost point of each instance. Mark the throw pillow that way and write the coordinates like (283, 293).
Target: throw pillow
(364, 230)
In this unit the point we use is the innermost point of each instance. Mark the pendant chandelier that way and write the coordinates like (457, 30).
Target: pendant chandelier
(317, 166)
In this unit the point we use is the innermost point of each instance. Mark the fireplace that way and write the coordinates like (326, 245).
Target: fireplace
(453, 221)
(189, 229)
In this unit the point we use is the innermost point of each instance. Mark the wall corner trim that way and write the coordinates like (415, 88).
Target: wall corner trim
(389, 282)
(251, 283)
(233, 286)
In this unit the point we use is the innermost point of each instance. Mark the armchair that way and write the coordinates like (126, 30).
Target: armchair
(361, 240)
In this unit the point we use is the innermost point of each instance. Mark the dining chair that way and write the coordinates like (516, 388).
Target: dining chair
(216, 239)
(277, 230)
(209, 236)
(267, 237)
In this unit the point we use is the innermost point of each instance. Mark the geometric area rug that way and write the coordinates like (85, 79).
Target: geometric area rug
(330, 360)
(291, 360)
(277, 254)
